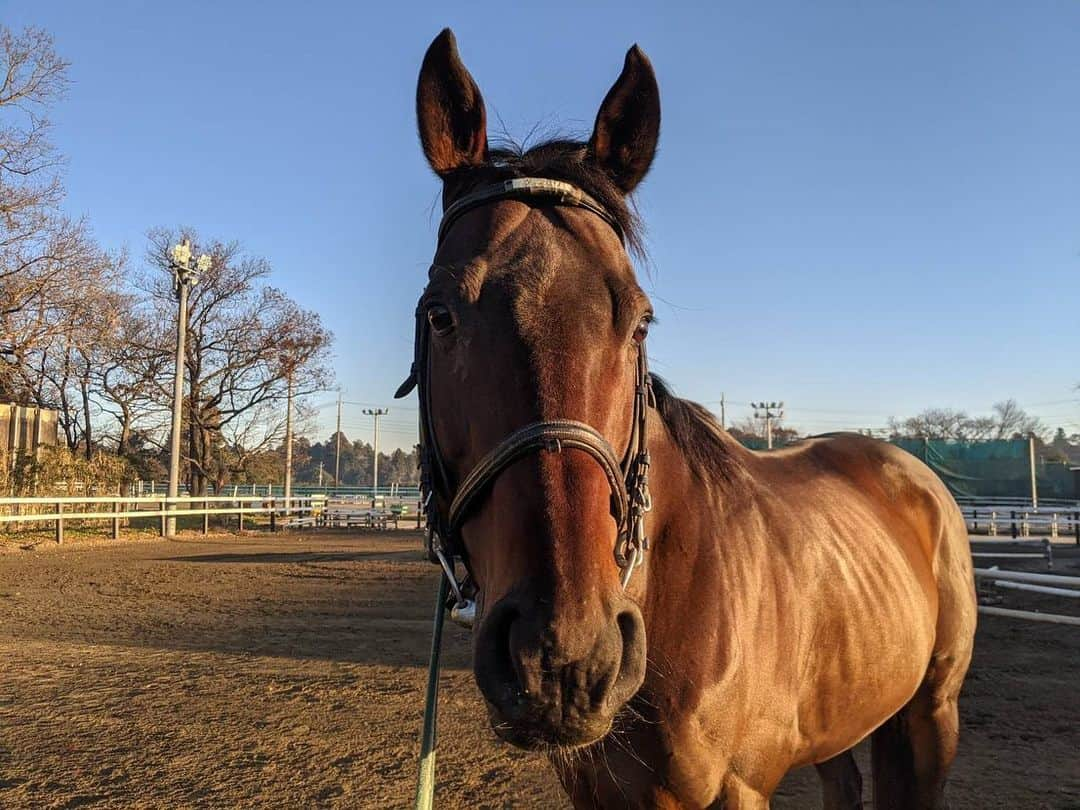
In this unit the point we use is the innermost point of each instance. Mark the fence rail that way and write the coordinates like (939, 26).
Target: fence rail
(1049, 584)
(1048, 519)
(404, 491)
(296, 511)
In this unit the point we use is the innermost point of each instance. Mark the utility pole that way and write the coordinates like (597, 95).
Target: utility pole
(768, 411)
(723, 412)
(376, 412)
(337, 453)
(320, 472)
(185, 276)
(288, 445)
(1034, 484)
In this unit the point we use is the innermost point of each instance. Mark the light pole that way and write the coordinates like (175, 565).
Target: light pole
(185, 276)
(288, 445)
(772, 410)
(337, 452)
(376, 412)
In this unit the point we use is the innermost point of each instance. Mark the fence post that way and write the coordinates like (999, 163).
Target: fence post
(205, 518)
(118, 507)
(59, 522)
(1012, 518)
(240, 517)
(273, 517)
(974, 521)
(1076, 526)
(161, 508)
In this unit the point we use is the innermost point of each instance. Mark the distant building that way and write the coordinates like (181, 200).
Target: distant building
(25, 428)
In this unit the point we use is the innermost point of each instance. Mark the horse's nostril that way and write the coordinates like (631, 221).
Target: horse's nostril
(632, 661)
(497, 671)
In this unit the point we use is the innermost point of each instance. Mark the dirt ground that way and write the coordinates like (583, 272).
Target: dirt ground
(287, 672)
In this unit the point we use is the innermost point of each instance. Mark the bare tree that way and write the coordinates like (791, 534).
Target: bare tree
(1011, 421)
(1008, 421)
(129, 372)
(245, 341)
(50, 267)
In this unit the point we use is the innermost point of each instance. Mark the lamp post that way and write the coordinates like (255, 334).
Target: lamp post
(768, 411)
(376, 412)
(185, 276)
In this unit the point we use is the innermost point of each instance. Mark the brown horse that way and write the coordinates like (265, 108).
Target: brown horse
(785, 605)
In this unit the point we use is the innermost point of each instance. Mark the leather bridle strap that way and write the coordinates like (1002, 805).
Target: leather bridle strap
(627, 479)
(556, 192)
(555, 435)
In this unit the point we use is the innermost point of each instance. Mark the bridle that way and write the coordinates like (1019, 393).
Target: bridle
(626, 476)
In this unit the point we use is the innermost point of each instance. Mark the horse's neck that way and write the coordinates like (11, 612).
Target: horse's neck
(689, 499)
(693, 545)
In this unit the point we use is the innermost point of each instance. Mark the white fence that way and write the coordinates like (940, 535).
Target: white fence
(1049, 584)
(996, 519)
(295, 512)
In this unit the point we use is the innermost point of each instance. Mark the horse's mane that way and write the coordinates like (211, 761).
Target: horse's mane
(696, 432)
(564, 159)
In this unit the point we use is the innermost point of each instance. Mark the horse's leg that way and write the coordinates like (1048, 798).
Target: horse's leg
(913, 750)
(737, 795)
(841, 783)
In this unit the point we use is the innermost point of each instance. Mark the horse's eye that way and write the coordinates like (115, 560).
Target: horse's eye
(442, 322)
(642, 330)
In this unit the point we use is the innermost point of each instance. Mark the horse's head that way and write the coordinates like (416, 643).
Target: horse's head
(533, 316)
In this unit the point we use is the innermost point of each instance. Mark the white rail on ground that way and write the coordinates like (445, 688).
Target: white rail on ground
(1038, 583)
(1028, 576)
(1054, 618)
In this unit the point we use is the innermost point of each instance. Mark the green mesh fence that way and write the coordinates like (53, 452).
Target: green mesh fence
(993, 468)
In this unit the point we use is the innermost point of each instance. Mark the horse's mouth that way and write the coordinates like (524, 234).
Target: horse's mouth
(531, 731)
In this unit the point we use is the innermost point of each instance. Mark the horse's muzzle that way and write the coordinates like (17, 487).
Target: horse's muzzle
(556, 683)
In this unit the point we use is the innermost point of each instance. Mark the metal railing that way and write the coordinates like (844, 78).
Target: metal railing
(995, 521)
(297, 511)
(402, 491)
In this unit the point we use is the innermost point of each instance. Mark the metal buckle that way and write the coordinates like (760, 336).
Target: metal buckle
(463, 611)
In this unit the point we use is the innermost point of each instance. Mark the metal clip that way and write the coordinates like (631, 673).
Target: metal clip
(464, 613)
(633, 562)
(451, 577)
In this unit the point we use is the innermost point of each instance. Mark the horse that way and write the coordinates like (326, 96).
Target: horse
(675, 621)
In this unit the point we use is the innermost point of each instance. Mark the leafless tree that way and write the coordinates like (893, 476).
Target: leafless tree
(50, 267)
(245, 341)
(1008, 421)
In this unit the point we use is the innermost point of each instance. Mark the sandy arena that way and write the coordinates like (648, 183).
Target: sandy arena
(287, 672)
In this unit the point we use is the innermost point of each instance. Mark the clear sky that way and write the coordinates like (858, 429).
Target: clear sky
(862, 209)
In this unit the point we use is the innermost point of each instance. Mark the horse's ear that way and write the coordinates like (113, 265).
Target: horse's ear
(628, 124)
(449, 109)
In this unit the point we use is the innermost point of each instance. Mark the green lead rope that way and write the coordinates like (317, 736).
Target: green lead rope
(425, 786)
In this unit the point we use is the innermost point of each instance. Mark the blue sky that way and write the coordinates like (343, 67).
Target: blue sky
(860, 209)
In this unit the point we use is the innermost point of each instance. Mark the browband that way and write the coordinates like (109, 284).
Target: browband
(552, 192)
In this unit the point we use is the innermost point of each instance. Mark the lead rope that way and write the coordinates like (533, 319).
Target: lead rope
(425, 783)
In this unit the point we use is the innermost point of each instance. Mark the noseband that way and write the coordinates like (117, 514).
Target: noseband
(627, 477)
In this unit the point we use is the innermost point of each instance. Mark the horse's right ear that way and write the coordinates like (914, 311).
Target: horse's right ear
(449, 110)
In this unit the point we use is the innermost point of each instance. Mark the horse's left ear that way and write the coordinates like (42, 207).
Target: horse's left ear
(628, 124)
(449, 110)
